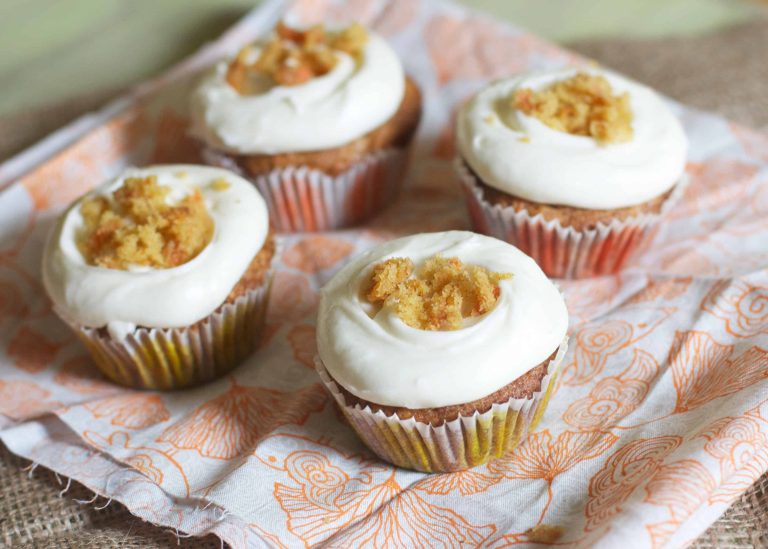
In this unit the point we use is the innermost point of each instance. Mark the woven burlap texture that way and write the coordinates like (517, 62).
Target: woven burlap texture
(724, 72)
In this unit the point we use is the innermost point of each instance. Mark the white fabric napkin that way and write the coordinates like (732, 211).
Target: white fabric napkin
(661, 416)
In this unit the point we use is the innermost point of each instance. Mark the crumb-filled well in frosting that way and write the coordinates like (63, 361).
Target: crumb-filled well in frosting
(394, 356)
(299, 91)
(157, 247)
(579, 138)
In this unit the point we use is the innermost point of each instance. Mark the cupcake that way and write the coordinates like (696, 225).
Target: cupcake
(573, 167)
(441, 349)
(163, 273)
(319, 120)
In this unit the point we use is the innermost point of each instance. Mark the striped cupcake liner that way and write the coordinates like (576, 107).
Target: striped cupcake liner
(174, 358)
(563, 252)
(464, 442)
(301, 199)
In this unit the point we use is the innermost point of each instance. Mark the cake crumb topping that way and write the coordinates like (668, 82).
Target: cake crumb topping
(583, 104)
(220, 184)
(292, 56)
(439, 296)
(138, 228)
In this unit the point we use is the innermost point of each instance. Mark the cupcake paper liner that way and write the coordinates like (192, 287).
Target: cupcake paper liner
(301, 199)
(563, 252)
(174, 358)
(455, 445)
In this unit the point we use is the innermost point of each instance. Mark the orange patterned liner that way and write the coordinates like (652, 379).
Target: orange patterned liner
(301, 199)
(174, 358)
(563, 252)
(455, 445)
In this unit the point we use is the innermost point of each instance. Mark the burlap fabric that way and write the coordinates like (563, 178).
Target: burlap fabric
(724, 71)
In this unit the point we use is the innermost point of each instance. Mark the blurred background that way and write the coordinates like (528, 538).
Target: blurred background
(61, 58)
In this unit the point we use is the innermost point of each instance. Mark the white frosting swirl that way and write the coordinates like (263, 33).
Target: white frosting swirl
(383, 360)
(521, 156)
(325, 112)
(159, 298)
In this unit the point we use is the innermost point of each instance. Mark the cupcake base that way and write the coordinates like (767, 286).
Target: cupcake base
(452, 445)
(597, 249)
(169, 359)
(301, 199)
(175, 358)
(332, 188)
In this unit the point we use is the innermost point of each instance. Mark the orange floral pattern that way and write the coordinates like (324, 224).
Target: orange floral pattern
(682, 487)
(740, 444)
(703, 369)
(597, 342)
(614, 397)
(31, 350)
(79, 374)
(465, 483)
(233, 423)
(541, 458)
(24, 400)
(78, 169)
(271, 539)
(668, 289)
(481, 49)
(386, 18)
(316, 253)
(147, 460)
(624, 471)
(143, 463)
(742, 307)
(682, 260)
(291, 298)
(131, 410)
(716, 183)
(755, 144)
(304, 345)
(586, 298)
(323, 501)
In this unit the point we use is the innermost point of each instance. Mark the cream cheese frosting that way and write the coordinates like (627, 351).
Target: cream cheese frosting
(381, 359)
(325, 112)
(121, 300)
(521, 156)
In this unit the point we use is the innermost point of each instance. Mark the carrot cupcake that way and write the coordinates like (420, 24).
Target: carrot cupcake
(163, 273)
(318, 119)
(573, 167)
(441, 348)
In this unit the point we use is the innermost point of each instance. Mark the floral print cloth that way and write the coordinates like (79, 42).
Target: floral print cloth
(659, 422)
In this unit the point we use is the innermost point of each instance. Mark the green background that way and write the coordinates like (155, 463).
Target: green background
(56, 52)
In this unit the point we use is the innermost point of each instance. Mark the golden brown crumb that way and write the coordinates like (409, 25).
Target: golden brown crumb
(220, 184)
(138, 228)
(439, 296)
(581, 105)
(544, 533)
(294, 56)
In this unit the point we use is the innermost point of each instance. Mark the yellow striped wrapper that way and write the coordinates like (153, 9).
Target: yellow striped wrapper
(464, 442)
(174, 358)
